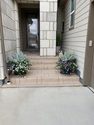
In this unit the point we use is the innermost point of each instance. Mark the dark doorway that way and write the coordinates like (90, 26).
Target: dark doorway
(29, 27)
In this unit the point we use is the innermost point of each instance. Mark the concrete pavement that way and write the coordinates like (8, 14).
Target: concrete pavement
(47, 106)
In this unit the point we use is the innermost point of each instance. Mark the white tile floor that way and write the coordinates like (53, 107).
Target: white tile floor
(47, 106)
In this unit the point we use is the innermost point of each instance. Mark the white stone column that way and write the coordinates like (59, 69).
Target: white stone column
(48, 19)
(2, 75)
(2, 51)
(17, 26)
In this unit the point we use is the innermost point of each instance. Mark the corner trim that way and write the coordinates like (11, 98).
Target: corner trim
(83, 82)
(78, 73)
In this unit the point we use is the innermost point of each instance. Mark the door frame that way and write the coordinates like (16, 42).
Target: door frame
(25, 8)
(89, 49)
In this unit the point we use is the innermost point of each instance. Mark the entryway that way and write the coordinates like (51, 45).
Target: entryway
(43, 73)
(32, 31)
(29, 27)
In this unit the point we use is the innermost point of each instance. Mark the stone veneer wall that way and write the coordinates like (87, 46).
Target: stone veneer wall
(1, 62)
(9, 33)
(48, 18)
(1, 52)
(8, 19)
(17, 28)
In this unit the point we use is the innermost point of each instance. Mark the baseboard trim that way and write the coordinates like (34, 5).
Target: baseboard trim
(80, 79)
(78, 73)
(83, 82)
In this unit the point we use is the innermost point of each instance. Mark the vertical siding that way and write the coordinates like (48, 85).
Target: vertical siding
(75, 40)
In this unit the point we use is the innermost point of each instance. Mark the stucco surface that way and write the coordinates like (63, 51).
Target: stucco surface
(47, 106)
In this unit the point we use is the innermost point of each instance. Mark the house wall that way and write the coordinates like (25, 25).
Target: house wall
(1, 51)
(8, 34)
(8, 19)
(75, 40)
(17, 28)
(48, 19)
(89, 58)
(10, 26)
(1, 62)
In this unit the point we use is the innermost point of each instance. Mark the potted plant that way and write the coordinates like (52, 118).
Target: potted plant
(58, 43)
(67, 63)
(19, 64)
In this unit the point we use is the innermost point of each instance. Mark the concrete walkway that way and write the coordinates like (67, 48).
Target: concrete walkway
(47, 106)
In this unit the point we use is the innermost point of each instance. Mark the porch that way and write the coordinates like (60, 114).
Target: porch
(43, 73)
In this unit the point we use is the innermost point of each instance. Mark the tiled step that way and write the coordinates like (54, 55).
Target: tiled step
(47, 78)
(49, 74)
(44, 61)
(46, 81)
(39, 57)
(41, 84)
(43, 67)
(44, 73)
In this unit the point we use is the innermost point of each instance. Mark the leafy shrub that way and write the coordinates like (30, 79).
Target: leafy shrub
(67, 63)
(19, 64)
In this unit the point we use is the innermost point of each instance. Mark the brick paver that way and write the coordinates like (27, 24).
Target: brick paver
(43, 73)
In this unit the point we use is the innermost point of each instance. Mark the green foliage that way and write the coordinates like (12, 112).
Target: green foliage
(19, 64)
(67, 63)
(66, 56)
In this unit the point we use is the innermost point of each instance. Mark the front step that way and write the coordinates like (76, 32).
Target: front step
(45, 61)
(44, 73)
(43, 67)
(46, 78)
(46, 81)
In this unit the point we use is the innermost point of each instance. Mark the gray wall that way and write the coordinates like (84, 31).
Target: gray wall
(8, 19)
(8, 33)
(1, 50)
(75, 40)
(89, 58)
